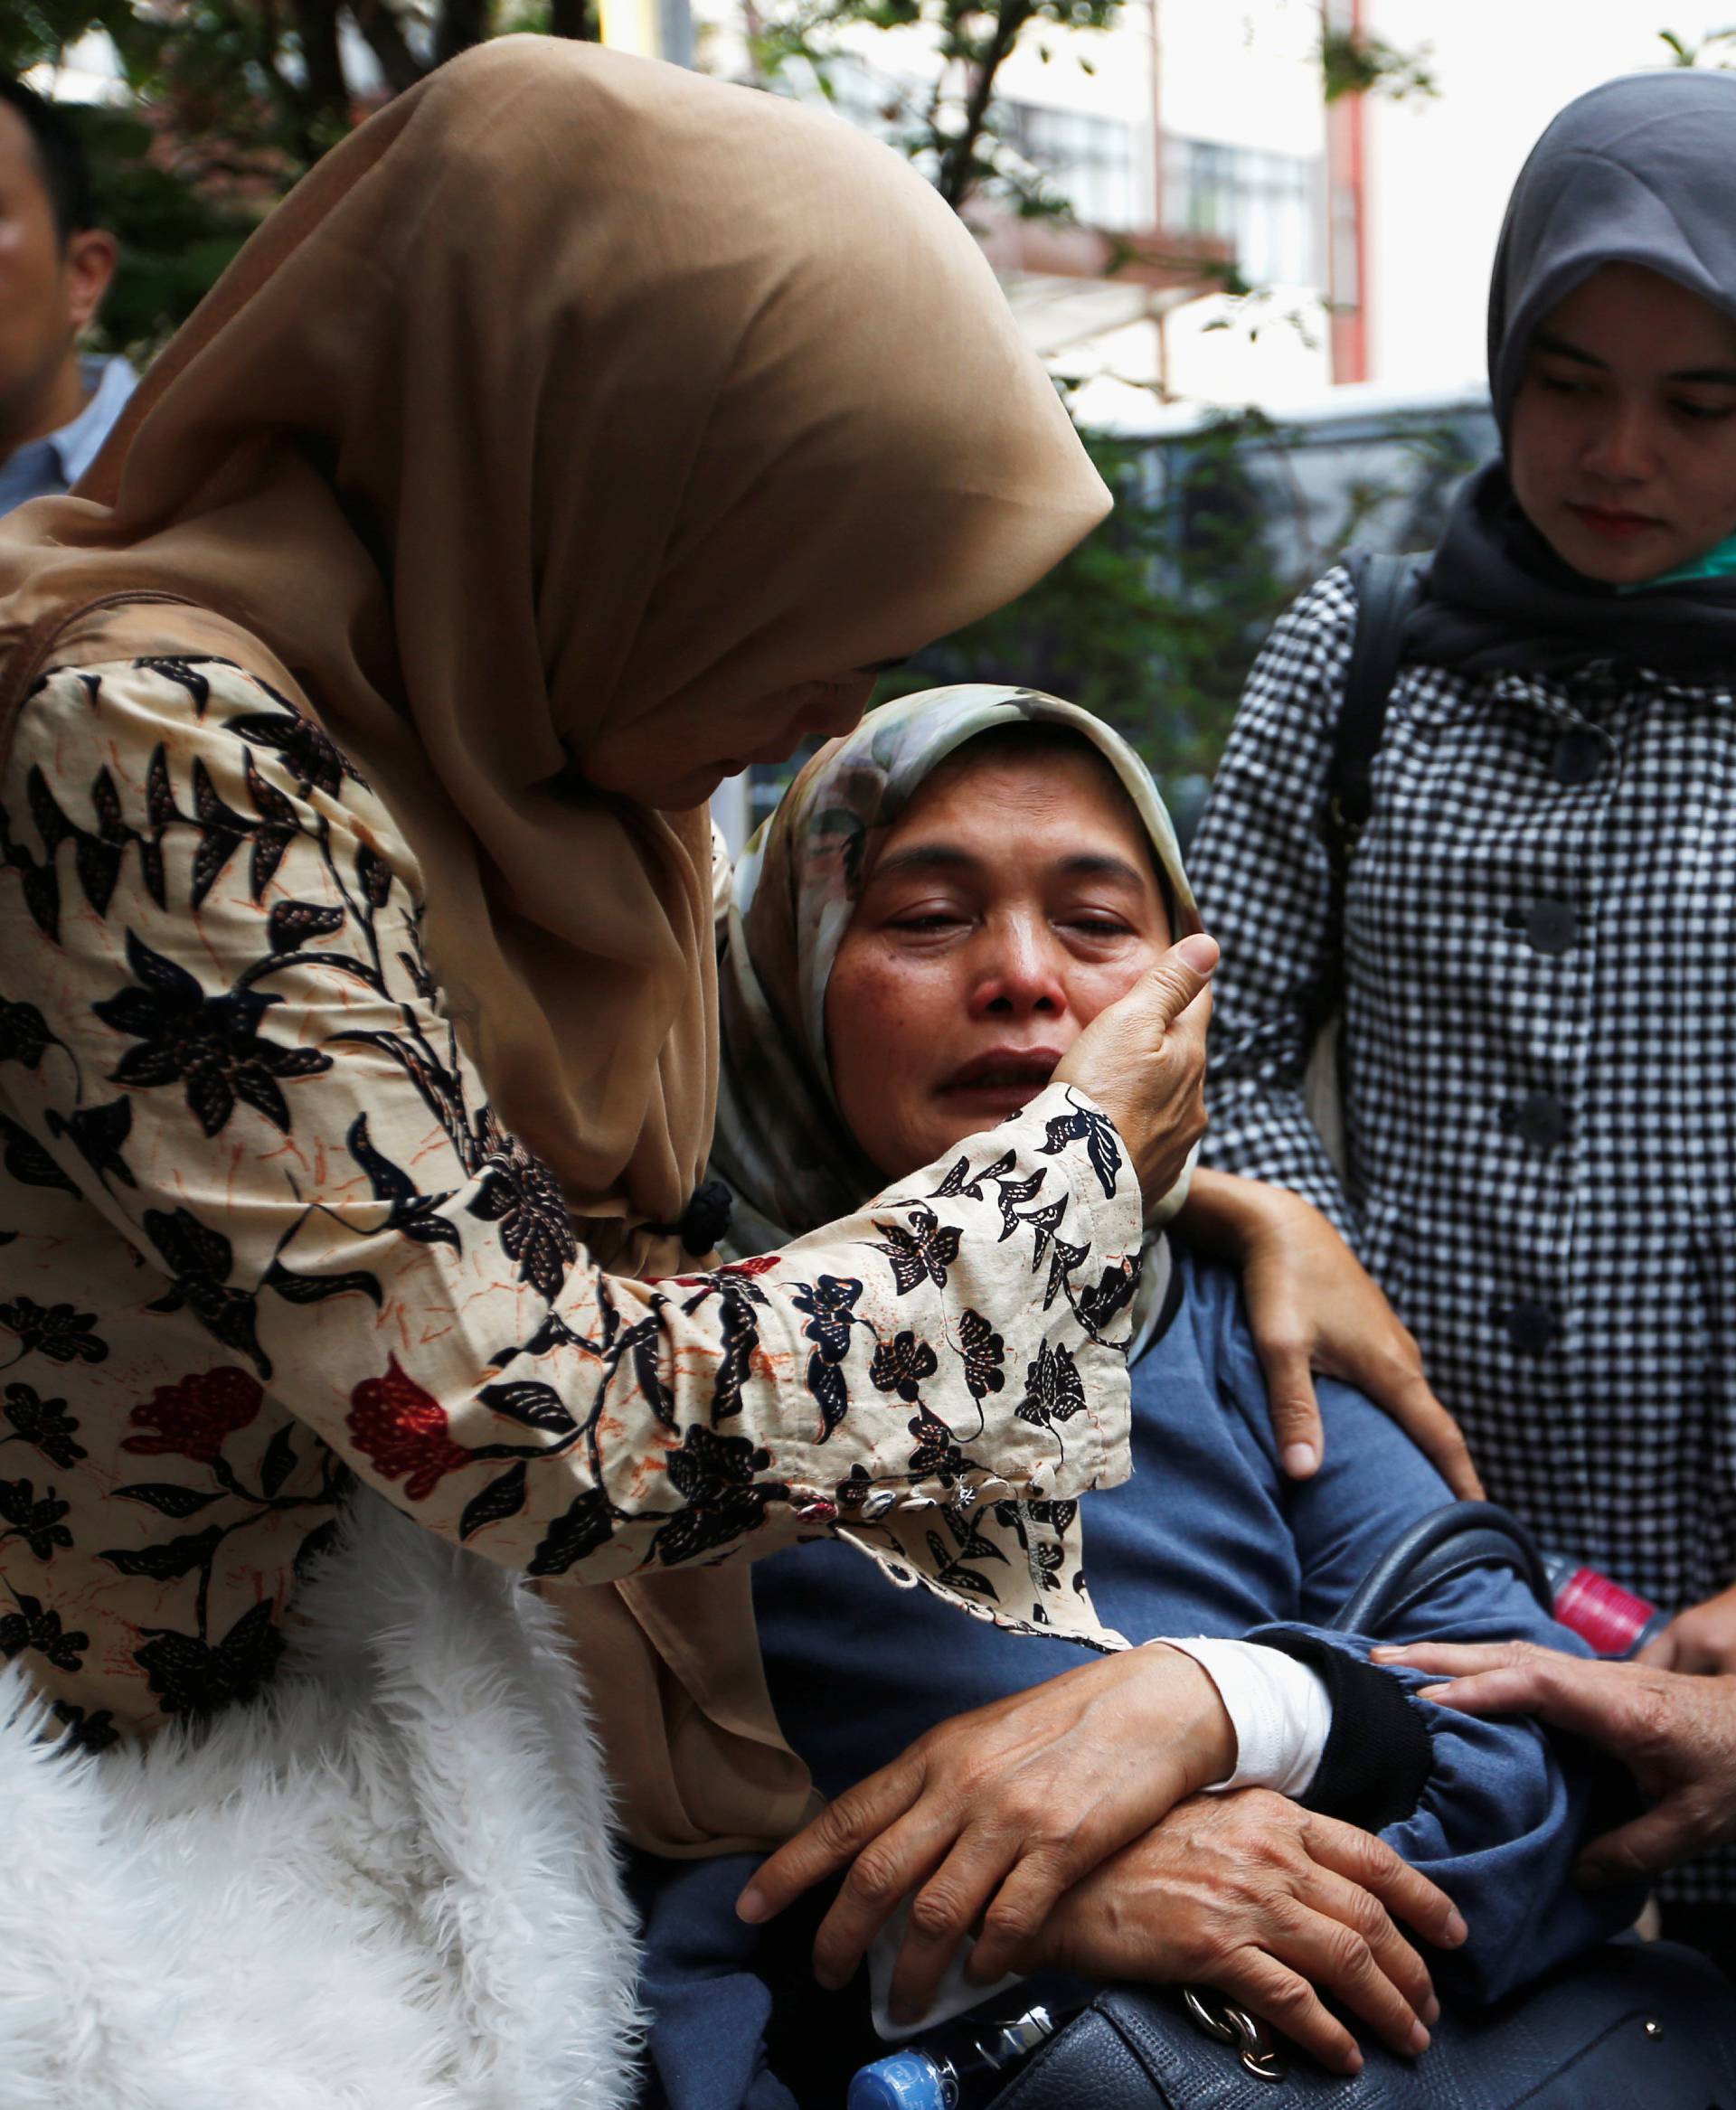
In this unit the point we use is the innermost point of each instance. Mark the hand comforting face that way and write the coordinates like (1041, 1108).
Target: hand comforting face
(1016, 900)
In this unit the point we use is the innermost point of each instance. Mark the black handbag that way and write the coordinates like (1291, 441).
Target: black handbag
(1634, 2026)
(1631, 2026)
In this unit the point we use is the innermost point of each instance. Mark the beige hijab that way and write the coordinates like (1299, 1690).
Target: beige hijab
(575, 401)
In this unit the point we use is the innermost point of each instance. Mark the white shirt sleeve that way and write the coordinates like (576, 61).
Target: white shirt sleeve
(1279, 1709)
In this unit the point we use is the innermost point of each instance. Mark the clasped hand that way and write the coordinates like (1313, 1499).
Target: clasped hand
(1271, 1904)
(988, 1819)
(1065, 1824)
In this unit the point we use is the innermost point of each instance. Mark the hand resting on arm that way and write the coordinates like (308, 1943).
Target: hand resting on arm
(1676, 1735)
(1271, 1904)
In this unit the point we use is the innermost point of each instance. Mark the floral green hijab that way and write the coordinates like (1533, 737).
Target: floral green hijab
(781, 1143)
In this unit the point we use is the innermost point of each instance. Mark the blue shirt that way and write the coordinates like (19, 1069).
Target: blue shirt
(1208, 1537)
(43, 467)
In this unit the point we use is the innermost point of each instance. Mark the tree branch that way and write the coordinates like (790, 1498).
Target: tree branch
(959, 164)
(574, 18)
(326, 96)
(460, 25)
(385, 38)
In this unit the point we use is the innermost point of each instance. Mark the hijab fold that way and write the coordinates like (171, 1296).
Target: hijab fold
(569, 409)
(1639, 171)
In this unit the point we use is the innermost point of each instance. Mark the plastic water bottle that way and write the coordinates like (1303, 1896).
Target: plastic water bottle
(1613, 1620)
(959, 2067)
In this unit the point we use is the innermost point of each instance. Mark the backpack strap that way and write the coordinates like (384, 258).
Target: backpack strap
(1387, 588)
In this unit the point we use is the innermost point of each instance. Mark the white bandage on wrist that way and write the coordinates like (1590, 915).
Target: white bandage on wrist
(1279, 1709)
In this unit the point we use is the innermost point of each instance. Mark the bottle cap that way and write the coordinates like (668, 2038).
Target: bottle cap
(905, 2081)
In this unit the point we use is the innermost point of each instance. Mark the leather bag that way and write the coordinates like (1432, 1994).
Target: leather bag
(1635, 2026)
(1631, 2026)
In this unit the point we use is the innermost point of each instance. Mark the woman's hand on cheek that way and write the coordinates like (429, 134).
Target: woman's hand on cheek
(990, 1817)
(1142, 1061)
(1271, 1904)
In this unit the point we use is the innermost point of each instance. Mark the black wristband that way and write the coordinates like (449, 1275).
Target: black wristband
(1378, 1755)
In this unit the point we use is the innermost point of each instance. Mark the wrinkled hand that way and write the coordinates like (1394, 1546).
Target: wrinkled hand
(1312, 1305)
(993, 1815)
(1264, 1901)
(1700, 1641)
(1676, 1735)
(1142, 1061)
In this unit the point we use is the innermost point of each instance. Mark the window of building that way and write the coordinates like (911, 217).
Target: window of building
(1265, 204)
(1093, 162)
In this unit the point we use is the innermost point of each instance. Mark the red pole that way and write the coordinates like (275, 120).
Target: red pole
(1347, 216)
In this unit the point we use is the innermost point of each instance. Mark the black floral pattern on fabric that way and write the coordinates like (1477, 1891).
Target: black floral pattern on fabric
(1053, 1391)
(43, 1423)
(717, 1477)
(34, 1626)
(28, 1163)
(191, 1676)
(221, 833)
(91, 1731)
(741, 1336)
(24, 1034)
(969, 1543)
(56, 1331)
(37, 1520)
(1102, 1144)
(184, 672)
(212, 1044)
(306, 752)
(831, 1308)
(199, 1261)
(938, 1455)
(98, 1134)
(414, 1214)
(1099, 1307)
(40, 881)
(985, 1353)
(922, 1254)
(900, 1365)
(521, 1195)
(588, 1524)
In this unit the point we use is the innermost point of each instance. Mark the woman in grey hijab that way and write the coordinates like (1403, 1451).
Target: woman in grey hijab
(1535, 970)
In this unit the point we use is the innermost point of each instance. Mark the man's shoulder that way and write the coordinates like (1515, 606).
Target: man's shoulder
(108, 384)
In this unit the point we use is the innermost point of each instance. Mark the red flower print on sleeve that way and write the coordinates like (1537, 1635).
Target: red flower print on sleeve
(401, 1430)
(761, 1264)
(195, 1417)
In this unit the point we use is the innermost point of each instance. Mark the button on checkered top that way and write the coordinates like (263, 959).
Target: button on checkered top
(1538, 1058)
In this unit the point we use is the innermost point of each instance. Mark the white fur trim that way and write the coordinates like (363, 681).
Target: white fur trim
(388, 1885)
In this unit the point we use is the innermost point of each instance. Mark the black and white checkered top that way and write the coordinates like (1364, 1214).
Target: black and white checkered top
(1538, 1057)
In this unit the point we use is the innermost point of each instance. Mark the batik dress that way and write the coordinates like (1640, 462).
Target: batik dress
(262, 1232)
